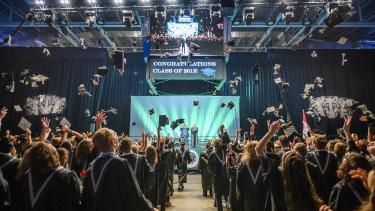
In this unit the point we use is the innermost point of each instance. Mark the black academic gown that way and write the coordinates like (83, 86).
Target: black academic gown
(347, 196)
(233, 199)
(323, 172)
(8, 166)
(205, 172)
(116, 190)
(141, 168)
(59, 190)
(255, 191)
(163, 177)
(217, 168)
(183, 158)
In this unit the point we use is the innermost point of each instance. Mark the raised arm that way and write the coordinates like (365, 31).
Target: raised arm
(369, 134)
(346, 127)
(99, 119)
(274, 127)
(45, 129)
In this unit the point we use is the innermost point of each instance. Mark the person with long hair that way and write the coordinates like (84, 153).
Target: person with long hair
(82, 156)
(255, 189)
(349, 193)
(47, 185)
(299, 192)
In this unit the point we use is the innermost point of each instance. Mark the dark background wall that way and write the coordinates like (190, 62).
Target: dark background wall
(70, 67)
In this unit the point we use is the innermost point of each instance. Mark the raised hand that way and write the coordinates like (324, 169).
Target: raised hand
(325, 208)
(45, 123)
(3, 112)
(274, 127)
(100, 117)
(65, 129)
(347, 123)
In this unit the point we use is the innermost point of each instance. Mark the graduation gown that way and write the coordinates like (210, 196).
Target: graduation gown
(8, 166)
(57, 191)
(347, 196)
(233, 199)
(323, 172)
(205, 173)
(163, 175)
(183, 158)
(141, 168)
(254, 185)
(217, 168)
(110, 184)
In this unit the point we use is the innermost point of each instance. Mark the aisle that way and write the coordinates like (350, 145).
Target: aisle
(191, 198)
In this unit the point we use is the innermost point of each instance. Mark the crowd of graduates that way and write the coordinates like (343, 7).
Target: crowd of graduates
(281, 172)
(103, 171)
(87, 171)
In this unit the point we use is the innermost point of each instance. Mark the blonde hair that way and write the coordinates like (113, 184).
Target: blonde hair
(102, 139)
(249, 154)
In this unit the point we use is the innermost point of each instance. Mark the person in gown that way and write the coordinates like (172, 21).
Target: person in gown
(141, 168)
(205, 173)
(46, 186)
(110, 183)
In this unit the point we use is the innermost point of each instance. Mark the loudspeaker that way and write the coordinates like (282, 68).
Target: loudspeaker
(163, 120)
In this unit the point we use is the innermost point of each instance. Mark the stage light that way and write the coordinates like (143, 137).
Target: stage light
(39, 2)
(118, 1)
(91, 1)
(289, 14)
(248, 14)
(90, 18)
(230, 42)
(48, 18)
(160, 14)
(127, 18)
(215, 13)
(306, 17)
(337, 14)
(64, 2)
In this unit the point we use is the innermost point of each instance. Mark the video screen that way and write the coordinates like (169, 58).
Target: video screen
(183, 30)
(198, 32)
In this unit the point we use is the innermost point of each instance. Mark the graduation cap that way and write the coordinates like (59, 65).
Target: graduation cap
(195, 103)
(194, 46)
(17, 108)
(151, 111)
(66, 122)
(180, 121)
(174, 125)
(24, 124)
(230, 105)
(102, 70)
(252, 121)
(342, 40)
(223, 105)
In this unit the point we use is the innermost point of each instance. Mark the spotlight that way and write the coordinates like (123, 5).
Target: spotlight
(127, 18)
(91, 1)
(248, 14)
(118, 1)
(160, 14)
(64, 2)
(215, 13)
(289, 14)
(337, 14)
(39, 2)
(90, 18)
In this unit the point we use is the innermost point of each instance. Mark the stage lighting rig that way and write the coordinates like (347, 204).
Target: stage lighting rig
(248, 14)
(306, 17)
(91, 2)
(65, 2)
(118, 2)
(90, 18)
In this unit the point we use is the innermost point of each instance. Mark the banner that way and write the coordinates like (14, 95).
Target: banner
(198, 68)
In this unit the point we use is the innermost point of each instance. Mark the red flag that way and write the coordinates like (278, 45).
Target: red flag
(306, 127)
